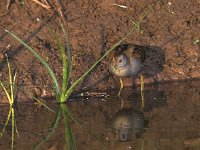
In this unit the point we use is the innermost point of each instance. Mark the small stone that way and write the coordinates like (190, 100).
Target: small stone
(46, 93)
(37, 92)
(169, 3)
(1, 57)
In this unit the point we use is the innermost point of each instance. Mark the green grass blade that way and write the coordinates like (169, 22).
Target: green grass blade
(69, 64)
(40, 102)
(64, 70)
(10, 81)
(13, 127)
(14, 79)
(6, 92)
(64, 60)
(145, 14)
(70, 90)
(137, 25)
(41, 60)
(66, 67)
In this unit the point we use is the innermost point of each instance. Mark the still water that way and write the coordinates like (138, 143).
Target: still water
(166, 118)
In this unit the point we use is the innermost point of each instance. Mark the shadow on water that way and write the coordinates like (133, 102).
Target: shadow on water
(169, 119)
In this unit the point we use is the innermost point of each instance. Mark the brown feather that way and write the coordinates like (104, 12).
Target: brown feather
(135, 51)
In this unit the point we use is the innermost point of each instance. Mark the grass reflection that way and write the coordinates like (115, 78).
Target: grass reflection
(69, 137)
(11, 115)
(10, 95)
(62, 112)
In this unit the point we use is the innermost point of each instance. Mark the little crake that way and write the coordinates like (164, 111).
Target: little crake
(126, 60)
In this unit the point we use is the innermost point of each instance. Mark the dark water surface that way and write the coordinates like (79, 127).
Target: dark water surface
(167, 119)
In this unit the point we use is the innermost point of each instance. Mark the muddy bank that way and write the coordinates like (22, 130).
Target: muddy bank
(170, 30)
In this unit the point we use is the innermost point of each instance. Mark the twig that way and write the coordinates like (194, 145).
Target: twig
(7, 8)
(121, 6)
(46, 6)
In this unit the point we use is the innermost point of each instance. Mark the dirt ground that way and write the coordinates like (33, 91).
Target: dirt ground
(170, 31)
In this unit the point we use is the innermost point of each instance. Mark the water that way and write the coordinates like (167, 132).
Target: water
(167, 119)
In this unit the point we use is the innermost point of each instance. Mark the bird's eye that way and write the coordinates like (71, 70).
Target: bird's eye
(121, 61)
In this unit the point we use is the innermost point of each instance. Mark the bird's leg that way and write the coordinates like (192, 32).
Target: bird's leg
(119, 93)
(142, 83)
(121, 87)
(142, 90)
(122, 102)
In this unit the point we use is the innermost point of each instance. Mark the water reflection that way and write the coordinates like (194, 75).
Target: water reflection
(128, 122)
(149, 99)
(62, 111)
(10, 117)
(169, 119)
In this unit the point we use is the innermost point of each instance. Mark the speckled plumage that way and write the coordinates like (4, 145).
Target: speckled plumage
(126, 60)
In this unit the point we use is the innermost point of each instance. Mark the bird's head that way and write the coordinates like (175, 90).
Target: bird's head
(125, 61)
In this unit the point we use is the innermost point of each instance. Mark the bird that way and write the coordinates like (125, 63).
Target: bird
(126, 60)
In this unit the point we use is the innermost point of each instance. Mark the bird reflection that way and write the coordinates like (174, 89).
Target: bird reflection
(128, 122)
